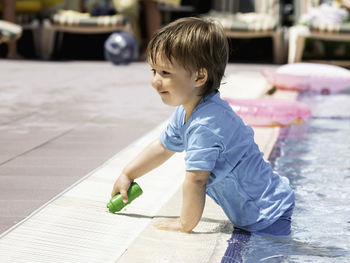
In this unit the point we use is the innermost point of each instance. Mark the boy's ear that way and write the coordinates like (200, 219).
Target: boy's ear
(201, 77)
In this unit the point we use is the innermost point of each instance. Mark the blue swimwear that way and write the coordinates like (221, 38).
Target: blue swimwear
(241, 181)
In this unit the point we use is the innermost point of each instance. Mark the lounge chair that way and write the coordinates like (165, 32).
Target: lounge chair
(315, 30)
(69, 21)
(9, 31)
(251, 19)
(27, 18)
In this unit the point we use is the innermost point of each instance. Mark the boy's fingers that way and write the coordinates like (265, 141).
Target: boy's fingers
(124, 195)
(114, 191)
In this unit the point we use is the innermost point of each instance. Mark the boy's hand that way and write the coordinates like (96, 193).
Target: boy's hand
(170, 224)
(346, 4)
(121, 186)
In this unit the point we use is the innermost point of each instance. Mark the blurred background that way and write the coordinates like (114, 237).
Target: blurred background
(31, 14)
(258, 31)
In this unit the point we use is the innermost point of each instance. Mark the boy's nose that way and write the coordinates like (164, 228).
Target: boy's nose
(156, 81)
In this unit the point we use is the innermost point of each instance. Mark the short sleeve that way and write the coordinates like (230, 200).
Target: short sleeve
(171, 136)
(203, 149)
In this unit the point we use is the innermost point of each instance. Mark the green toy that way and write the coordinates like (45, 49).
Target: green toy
(116, 203)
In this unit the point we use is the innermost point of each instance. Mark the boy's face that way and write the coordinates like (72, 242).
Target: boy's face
(175, 85)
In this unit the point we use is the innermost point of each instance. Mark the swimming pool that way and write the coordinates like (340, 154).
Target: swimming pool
(316, 159)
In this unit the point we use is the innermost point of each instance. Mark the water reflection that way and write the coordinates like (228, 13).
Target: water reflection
(316, 159)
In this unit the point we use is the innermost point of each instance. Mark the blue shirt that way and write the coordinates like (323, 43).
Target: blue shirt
(241, 181)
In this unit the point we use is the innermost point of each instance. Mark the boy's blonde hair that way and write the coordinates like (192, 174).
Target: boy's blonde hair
(195, 44)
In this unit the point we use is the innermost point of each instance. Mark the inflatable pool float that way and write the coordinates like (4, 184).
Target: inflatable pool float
(309, 76)
(270, 112)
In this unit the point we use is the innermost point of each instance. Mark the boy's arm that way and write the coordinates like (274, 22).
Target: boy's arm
(193, 199)
(193, 192)
(346, 4)
(151, 157)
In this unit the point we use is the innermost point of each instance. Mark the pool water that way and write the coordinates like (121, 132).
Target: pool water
(316, 158)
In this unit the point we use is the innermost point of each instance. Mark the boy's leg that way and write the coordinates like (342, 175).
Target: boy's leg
(281, 228)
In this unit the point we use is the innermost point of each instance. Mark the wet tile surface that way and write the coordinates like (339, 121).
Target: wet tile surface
(59, 121)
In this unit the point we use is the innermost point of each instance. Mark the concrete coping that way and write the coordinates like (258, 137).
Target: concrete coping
(76, 227)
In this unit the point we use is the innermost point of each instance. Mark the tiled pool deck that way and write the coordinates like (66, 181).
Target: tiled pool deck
(67, 129)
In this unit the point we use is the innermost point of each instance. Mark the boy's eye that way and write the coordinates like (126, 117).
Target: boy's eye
(163, 72)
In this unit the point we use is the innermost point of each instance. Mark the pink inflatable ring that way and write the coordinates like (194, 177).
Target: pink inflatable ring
(309, 76)
(270, 112)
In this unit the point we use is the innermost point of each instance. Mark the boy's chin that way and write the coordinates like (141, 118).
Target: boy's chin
(168, 102)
